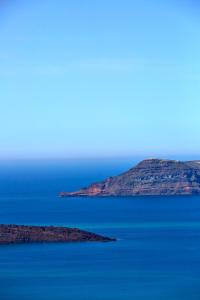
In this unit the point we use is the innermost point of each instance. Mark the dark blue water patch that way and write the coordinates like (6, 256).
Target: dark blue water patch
(99, 211)
(51, 177)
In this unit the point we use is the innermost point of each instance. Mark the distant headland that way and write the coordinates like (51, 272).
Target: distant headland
(15, 234)
(150, 177)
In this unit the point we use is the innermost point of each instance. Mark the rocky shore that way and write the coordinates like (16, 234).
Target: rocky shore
(13, 234)
(149, 177)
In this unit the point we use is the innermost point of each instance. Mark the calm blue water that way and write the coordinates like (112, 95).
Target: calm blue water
(157, 255)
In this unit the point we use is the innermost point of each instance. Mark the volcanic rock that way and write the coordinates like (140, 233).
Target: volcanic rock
(13, 234)
(149, 177)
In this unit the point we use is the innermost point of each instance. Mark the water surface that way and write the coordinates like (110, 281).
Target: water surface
(157, 255)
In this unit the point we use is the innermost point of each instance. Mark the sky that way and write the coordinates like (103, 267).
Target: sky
(103, 78)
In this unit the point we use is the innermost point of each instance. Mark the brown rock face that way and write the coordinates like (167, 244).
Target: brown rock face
(149, 177)
(10, 234)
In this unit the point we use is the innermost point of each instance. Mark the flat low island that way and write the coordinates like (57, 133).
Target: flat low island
(15, 234)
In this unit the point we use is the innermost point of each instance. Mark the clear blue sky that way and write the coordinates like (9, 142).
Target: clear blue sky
(97, 78)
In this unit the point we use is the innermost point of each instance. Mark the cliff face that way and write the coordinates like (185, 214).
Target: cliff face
(10, 234)
(149, 177)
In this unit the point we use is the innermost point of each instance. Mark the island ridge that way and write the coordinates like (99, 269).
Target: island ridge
(149, 177)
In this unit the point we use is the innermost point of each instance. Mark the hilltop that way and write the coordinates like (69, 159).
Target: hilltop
(149, 177)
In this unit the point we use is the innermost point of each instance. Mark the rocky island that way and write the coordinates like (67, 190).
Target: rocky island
(14, 234)
(149, 177)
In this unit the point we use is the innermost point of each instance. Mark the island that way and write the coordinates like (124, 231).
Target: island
(149, 177)
(15, 234)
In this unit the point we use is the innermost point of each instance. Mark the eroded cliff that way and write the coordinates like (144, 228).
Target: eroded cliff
(149, 177)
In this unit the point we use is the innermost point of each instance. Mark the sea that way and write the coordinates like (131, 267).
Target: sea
(156, 255)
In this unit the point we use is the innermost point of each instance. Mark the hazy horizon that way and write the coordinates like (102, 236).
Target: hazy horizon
(133, 158)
